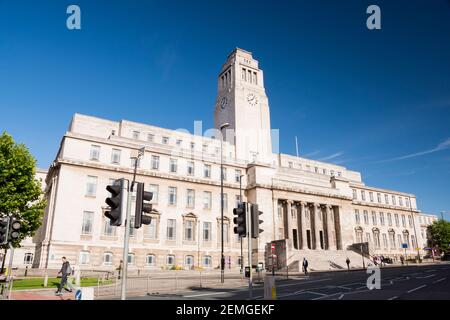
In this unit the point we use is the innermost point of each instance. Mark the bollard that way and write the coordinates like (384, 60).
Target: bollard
(148, 284)
(200, 279)
(45, 280)
(270, 292)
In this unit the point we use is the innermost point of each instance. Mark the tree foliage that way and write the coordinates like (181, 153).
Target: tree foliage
(20, 191)
(440, 234)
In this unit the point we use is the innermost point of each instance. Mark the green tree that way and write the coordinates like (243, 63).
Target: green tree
(20, 191)
(440, 234)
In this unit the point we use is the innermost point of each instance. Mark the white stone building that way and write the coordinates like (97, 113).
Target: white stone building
(316, 206)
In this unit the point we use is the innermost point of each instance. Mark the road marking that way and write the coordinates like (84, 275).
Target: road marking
(204, 294)
(296, 284)
(341, 296)
(393, 298)
(439, 280)
(429, 276)
(432, 270)
(415, 289)
(320, 294)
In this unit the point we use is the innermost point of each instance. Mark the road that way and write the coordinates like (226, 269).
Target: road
(397, 283)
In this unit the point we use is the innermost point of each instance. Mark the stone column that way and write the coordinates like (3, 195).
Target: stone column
(275, 219)
(304, 241)
(330, 227)
(288, 220)
(317, 212)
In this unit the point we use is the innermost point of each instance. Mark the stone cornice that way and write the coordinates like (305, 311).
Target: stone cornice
(384, 206)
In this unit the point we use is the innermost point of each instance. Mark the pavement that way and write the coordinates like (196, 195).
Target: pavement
(44, 294)
(429, 282)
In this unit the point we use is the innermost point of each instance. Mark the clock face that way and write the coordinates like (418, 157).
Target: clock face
(223, 102)
(252, 99)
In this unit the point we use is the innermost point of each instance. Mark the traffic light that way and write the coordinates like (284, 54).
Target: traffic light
(241, 220)
(116, 202)
(254, 214)
(141, 207)
(4, 230)
(14, 228)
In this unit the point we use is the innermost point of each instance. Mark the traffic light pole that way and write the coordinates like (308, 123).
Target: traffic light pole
(10, 278)
(249, 237)
(126, 243)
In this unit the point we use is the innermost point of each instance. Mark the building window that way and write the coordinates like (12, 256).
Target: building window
(385, 242)
(393, 201)
(154, 190)
(88, 218)
(192, 146)
(130, 259)
(189, 230)
(136, 135)
(382, 218)
(363, 195)
(226, 232)
(28, 259)
(155, 162)
(399, 241)
(389, 219)
(397, 223)
(134, 161)
(190, 168)
(244, 74)
(115, 156)
(206, 231)
(225, 201)
(400, 201)
(237, 201)
(206, 200)
(355, 194)
(374, 218)
(107, 259)
(173, 165)
(413, 242)
(165, 140)
(368, 237)
(205, 148)
(357, 218)
(84, 257)
(189, 261)
(91, 186)
(371, 196)
(407, 202)
(207, 171)
(95, 153)
(366, 217)
(237, 175)
(170, 260)
(152, 232)
(255, 78)
(403, 221)
(108, 229)
(171, 229)
(290, 164)
(386, 199)
(172, 195)
(207, 262)
(150, 137)
(179, 142)
(410, 221)
(224, 174)
(150, 260)
(379, 197)
(190, 198)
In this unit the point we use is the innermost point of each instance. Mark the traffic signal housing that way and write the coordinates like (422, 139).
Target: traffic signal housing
(142, 207)
(116, 202)
(240, 220)
(255, 222)
(14, 228)
(4, 230)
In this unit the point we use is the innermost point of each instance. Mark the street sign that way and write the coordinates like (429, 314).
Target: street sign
(404, 245)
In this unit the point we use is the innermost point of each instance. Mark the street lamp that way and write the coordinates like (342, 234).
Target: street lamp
(240, 201)
(222, 258)
(415, 232)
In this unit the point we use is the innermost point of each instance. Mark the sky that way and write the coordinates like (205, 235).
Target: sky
(374, 101)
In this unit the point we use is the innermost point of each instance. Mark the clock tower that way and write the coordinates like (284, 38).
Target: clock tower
(242, 102)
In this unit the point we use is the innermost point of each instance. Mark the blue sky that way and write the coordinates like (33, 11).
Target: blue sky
(373, 101)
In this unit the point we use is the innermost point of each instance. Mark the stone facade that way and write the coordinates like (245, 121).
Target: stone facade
(312, 204)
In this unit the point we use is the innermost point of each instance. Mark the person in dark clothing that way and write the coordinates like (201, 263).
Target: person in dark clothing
(305, 266)
(65, 271)
(348, 263)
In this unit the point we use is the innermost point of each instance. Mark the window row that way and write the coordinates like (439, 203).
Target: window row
(249, 76)
(393, 198)
(153, 232)
(373, 238)
(315, 169)
(380, 218)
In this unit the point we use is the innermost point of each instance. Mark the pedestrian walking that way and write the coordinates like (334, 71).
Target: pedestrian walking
(65, 272)
(402, 260)
(348, 263)
(305, 266)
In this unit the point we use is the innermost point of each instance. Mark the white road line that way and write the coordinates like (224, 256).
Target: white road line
(415, 289)
(341, 296)
(429, 276)
(296, 284)
(432, 270)
(439, 280)
(320, 294)
(204, 294)
(393, 298)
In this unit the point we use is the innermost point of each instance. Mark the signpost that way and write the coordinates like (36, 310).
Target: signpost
(405, 246)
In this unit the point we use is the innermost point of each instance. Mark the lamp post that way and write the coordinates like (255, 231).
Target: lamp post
(222, 258)
(415, 232)
(240, 201)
